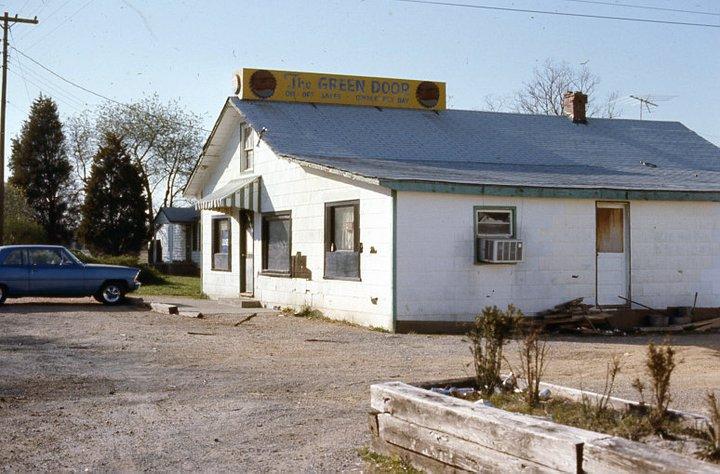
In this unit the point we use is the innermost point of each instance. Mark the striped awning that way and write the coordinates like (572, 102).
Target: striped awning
(241, 193)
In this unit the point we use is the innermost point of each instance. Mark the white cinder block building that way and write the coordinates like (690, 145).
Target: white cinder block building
(416, 220)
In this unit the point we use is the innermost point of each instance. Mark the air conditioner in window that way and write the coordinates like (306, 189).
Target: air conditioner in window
(500, 250)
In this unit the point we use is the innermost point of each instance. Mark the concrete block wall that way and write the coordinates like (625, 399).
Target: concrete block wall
(286, 186)
(675, 251)
(437, 276)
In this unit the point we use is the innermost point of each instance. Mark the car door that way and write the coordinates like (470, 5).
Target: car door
(14, 272)
(52, 273)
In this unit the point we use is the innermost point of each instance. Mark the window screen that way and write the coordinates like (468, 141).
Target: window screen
(221, 244)
(276, 243)
(494, 223)
(342, 240)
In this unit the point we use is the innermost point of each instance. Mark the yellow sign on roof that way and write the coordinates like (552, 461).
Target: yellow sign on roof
(310, 87)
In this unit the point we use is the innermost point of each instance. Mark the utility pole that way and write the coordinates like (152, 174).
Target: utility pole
(7, 22)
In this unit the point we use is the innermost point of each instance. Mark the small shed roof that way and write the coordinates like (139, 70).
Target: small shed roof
(179, 215)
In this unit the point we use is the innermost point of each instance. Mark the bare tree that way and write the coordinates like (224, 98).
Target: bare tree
(543, 94)
(163, 139)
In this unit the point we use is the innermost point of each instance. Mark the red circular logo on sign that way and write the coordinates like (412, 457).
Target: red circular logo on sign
(263, 84)
(428, 94)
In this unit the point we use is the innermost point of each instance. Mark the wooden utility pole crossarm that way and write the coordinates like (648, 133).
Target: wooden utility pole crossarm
(7, 22)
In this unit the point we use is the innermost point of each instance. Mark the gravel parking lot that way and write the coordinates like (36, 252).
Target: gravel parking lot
(87, 387)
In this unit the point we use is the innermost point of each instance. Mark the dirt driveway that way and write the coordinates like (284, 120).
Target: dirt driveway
(83, 387)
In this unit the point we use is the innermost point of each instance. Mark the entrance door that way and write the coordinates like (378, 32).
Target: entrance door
(612, 253)
(247, 257)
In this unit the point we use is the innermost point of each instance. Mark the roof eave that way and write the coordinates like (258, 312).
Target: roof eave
(550, 192)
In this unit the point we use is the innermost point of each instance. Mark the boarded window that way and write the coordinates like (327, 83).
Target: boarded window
(610, 230)
(276, 241)
(342, 240)
(494, 223)
(221, 244)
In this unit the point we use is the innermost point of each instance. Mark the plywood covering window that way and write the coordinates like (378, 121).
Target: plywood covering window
(221, 247)
(276, 243)
(610, 230)
(342, 240)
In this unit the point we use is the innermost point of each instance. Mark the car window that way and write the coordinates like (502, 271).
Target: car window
(68, 258)
(14, 257)
(45, 257)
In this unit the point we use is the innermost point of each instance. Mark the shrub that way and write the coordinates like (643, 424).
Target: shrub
(533, 352)
(660, 364)
(597, 409)
(148, 275)
(487, 337)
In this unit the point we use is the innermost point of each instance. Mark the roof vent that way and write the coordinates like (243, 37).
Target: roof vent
(574, 104)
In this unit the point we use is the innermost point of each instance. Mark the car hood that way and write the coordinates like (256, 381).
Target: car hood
(98, 266)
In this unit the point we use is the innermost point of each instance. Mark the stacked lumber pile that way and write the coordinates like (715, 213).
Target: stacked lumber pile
(573, 314)
(698, 326)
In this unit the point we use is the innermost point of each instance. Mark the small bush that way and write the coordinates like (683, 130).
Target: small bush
(533, 351)
(487, 337)
(148, 275)
(598, 408)
(660, 364)
(307, 311)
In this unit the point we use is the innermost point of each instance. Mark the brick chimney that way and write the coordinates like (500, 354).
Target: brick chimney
(574, 106)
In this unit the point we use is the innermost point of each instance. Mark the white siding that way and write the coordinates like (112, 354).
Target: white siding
(675, 251)
(287, 186)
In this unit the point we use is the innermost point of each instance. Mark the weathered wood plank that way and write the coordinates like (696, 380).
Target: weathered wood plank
(451, 450)
(618, 455)
(546, 443)
(416, 460)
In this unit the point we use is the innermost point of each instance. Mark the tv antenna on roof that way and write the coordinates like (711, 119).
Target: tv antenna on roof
(650, 100)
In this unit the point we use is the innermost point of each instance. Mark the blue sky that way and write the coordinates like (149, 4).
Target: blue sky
(189, 50)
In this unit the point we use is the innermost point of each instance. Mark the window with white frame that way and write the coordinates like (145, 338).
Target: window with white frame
(248, 153)
(492, 222)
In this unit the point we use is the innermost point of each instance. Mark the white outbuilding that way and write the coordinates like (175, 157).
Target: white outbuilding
(412, 219)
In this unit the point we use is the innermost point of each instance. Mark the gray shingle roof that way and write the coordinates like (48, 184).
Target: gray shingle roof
(180, 215)
(489, 148)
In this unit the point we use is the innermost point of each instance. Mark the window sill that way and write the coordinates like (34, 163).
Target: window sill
(221, 270)
(342, 278)
(275, 274)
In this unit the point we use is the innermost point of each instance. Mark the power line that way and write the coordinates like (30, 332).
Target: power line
(97, 94)
(547, 12)
(60, 24)
(644, 7)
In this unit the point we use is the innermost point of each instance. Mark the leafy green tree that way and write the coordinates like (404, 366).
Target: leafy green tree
(20, 224)
(114, 216)
(163, 140)
(41, 170)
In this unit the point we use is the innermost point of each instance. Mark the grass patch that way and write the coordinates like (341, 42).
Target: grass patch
(172, 285)
(384, 464)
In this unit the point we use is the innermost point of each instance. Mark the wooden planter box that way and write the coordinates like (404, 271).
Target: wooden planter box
(439, 433)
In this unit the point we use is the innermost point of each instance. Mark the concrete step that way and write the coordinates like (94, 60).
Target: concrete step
(250, 304)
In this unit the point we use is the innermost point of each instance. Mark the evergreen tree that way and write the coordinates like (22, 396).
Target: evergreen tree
(41, 170)
(114, 218)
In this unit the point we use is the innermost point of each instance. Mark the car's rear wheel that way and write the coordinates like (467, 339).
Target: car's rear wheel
(3, 294)
(111, 293)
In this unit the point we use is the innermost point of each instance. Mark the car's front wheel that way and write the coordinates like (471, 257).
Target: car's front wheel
(111, 293)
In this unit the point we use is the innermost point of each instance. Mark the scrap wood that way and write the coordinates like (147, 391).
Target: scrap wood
(245, 319)
(201, 333)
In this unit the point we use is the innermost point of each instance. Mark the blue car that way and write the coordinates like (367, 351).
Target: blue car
(50, 270)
